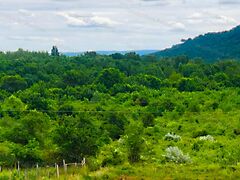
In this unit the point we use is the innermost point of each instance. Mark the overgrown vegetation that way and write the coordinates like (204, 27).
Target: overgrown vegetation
(122, 113)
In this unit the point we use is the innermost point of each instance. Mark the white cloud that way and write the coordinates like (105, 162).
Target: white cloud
(229, 2)
(196, 15)
(37, 39)
(78, 20)
(25, 12)
(226, 20)
(177, 26)
(102, 21)
(213, 18)
(164, 2)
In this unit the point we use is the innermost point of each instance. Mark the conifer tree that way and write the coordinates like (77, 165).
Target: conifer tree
(54, 51)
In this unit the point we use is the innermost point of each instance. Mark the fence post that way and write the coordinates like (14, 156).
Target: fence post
(57, 171)
(25, 174)
(48, 172)
(0, 168)
(37, 170)
(83, 162)
(65, 166)
(18, 168)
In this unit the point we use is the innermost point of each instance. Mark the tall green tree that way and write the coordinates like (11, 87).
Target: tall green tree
(110, 76)
(76, 137)
(13, 83)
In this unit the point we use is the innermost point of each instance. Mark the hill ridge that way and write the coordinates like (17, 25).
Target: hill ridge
(211, 46)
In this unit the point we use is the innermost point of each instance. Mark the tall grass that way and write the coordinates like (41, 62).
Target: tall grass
(127, 171)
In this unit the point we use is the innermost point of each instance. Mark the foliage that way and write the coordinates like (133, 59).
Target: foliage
(174, 154)
(117, 112)
(172, 137)
(12, 83)
(206, 138)
(134, 141)
(77, 137)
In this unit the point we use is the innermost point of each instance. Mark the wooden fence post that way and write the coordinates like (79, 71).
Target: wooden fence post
(37, 170)
(65, 166)
(58, 175)
(18, 168)
(48, 172)
(83, 162)
(25, 174)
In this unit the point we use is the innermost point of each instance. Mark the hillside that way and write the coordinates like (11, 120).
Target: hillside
(211, 46)
(126, 115)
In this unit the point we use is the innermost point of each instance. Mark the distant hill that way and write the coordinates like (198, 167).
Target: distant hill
(211, 46)
(140, 52)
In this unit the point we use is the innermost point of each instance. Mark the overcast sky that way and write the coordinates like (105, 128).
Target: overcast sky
(80, 25)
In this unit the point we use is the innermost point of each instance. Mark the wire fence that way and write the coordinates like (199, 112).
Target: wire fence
(38, 172)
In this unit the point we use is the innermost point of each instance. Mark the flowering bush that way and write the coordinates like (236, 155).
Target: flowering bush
(172, 137)
(174, 154)
(206, 138)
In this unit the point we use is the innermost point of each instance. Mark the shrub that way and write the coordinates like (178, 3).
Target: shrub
(7, 158)
(236, 131)
(174, 154)
(199, 133)
(172, 137)
(206, 138)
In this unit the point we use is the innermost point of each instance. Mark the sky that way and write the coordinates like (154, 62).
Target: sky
(84, 25)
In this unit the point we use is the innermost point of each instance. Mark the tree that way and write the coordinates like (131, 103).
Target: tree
(148, 81)
(115, 124)
(190, 84)
(132, 56)
(76, 137)
(74, 78)
(7, 158)
(33, 125)
(134, 141)
(13, 83)
(117, 56)
(54, 51)
(13, 106)
(110, 76)
(90, 54)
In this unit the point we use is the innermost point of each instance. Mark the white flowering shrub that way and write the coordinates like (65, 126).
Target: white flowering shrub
(172, 137)
(174, 154)
(206, 138)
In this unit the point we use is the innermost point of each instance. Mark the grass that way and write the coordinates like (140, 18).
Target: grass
(132, 172)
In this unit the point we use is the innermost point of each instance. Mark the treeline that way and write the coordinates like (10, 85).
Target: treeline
(111, 109)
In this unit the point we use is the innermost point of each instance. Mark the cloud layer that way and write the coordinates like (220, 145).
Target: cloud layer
(79, 25)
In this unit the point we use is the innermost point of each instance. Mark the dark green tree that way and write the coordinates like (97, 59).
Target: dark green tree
(54, 51)
(13, 83)
(77, 137)
(110, 76)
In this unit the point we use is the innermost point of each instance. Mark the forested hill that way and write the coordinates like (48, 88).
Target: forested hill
(211, 46)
